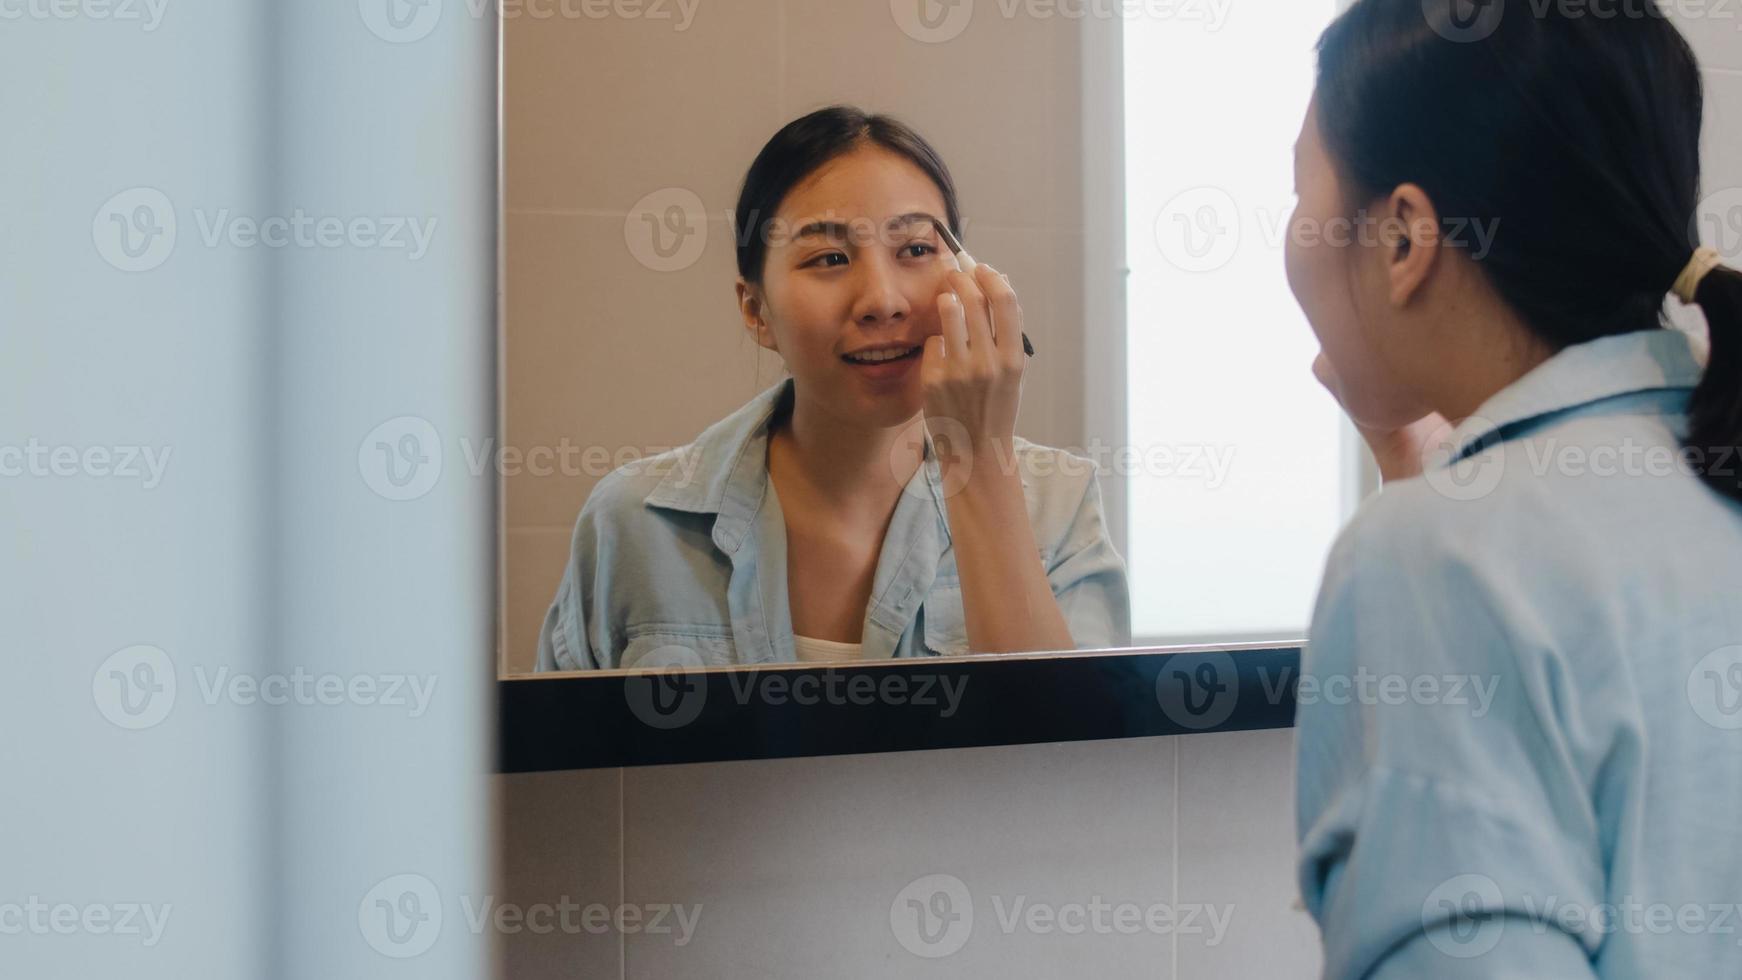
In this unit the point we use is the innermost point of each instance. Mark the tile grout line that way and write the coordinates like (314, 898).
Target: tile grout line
(1175, 970)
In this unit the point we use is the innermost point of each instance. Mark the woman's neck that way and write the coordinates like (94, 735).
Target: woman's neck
(851, 466)
(1486, 348)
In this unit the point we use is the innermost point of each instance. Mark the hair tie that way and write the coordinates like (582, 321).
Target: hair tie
(1706, 258)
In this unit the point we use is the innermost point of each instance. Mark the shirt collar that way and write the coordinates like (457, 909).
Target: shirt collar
(1608, 367)
(724, 472)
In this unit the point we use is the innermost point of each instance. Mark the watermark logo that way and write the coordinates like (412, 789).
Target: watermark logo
(401, 917)
(400, 21)
(666, 689)
(1468, 907)
(932, 21)
(1198, 230)
(1198, 690)
(134, 231)
(1453, 470)
(1464, 21)
(933, 916)
(401, 459)
(1718, 223)
(135, 687)
(667, 230)
(952, 453)
(1715, 688)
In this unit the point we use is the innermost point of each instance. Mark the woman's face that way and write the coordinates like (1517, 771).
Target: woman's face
(1337, 271)
(852, 275)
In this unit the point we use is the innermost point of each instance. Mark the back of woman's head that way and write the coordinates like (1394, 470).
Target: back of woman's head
(1577, 134)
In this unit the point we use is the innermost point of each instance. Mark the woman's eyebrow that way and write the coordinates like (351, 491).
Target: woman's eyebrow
(828, 229)
(914, 218)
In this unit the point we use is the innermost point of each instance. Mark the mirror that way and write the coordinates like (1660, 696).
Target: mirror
(677, 438)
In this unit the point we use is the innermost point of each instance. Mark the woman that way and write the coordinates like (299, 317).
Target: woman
(817, 523)
(1552, 788)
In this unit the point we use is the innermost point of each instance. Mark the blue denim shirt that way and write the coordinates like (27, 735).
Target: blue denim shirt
(681, 558)
(1552, 786)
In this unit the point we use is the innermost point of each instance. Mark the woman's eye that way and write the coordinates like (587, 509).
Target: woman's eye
(919, 250)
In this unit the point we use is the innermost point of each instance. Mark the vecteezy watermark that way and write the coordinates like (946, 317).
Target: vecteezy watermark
(412, 692)
(136, 230)
(405, 21)
(571, 459)
(572, 918)
(402, 916)
(1369, 688)
(136, 687)
(1202, 229)
(1715, 688)
(1459, 463)
(34, 459)
(148, 13)
(952, 448)
(1468, 21)
(1718, 222)
(1464, 21)
(937, 21)
(666, 689)
(1466, 916)
(667, 230)
(1198, 690)
(35, 917)
(933, 917)
(401, 459)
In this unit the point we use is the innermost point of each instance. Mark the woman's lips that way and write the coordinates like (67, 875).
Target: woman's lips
(891, 367)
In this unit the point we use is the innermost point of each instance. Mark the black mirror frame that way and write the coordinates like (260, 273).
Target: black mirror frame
(551, 722)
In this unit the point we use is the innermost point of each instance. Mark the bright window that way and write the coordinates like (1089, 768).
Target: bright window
(1248, 468)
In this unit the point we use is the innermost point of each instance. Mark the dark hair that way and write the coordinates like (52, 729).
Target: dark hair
(806, 144)
(1579, 135)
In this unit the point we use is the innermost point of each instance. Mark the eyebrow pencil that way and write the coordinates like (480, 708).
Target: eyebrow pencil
(966, 263)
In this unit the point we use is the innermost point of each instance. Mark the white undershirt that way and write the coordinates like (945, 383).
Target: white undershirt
(825, 651)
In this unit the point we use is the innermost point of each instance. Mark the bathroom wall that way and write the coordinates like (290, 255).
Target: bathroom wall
(611, 348)
(796, 863)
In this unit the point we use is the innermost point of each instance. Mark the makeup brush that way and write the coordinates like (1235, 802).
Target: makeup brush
(966, 263)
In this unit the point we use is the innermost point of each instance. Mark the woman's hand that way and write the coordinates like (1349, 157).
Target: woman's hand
(1399, 452)
(972, 374)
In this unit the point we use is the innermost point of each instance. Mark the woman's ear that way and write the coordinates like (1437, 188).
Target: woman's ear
(754, 308)
(1412, 242)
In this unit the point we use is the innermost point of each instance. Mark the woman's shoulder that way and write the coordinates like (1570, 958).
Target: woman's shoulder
(622, 496)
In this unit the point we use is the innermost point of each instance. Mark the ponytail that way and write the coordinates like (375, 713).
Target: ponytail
(1715, 413)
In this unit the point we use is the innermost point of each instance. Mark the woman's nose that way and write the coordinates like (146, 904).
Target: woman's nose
(880, 295)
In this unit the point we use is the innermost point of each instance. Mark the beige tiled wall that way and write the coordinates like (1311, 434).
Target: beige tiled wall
(795, 863)
(603, 351)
